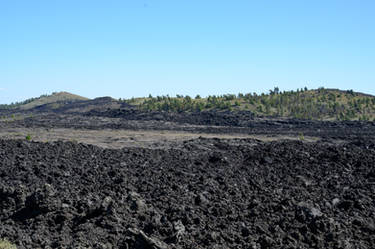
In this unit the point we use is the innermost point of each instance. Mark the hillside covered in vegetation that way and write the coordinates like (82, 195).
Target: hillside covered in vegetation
(319, 104)
(54, 98)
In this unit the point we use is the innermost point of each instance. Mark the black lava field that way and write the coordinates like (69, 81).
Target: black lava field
(203, 193)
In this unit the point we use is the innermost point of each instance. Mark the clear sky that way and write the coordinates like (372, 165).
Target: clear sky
(133, 48)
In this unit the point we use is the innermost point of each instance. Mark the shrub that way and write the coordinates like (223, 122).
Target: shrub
(301, 136)
(5, 244)
(28, 137)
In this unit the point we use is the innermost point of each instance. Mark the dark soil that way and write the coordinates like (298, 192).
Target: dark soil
(204, 193)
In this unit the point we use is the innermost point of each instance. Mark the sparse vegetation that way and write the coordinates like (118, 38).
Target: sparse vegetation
(42, 99)
(5, 244)
(301, 136)
(320, 104)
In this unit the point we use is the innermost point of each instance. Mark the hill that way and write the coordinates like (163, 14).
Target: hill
(318, 104)
(64, 102)
(100, 104)
(57, 99)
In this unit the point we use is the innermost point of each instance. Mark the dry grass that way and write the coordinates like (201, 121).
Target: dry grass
(53, 99)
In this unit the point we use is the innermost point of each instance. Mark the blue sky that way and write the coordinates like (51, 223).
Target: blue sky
(133, 48)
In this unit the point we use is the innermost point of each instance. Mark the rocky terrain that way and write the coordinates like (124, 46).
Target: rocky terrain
(205, 122)
(123, 178)
(204, 193)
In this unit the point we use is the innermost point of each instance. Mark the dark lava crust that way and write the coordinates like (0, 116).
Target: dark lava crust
(206, 193)
(204, 122)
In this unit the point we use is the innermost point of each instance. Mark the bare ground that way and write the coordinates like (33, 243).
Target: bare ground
(115, 139)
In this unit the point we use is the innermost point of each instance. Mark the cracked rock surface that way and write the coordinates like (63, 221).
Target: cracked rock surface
(203, 193)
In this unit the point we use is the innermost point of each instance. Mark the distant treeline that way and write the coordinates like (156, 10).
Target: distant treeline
(319, 104)
(303, 104)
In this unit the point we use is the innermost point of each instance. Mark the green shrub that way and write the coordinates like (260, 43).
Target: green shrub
(28, 137)
(301, 136)
(5, 244)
